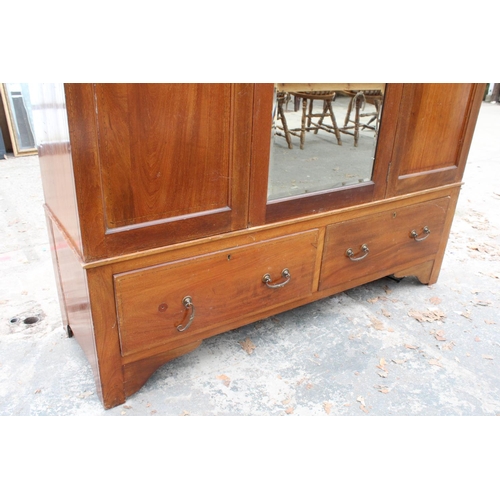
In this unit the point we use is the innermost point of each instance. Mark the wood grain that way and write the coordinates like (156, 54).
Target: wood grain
(77, 303)
(158, 164)
(433, 135)
(164, 150)
(56, 165)
(136, 373)
(163, 193)
(432, 123)
(222, 285)
(422, 272)
(387, 236)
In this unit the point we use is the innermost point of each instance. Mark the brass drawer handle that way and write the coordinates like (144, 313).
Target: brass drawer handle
(266, 279)
(187, 302)
(415, 236)
(350, 253)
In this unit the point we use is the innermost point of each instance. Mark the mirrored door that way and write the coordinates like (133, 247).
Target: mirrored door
(329, 145)
(323, 137)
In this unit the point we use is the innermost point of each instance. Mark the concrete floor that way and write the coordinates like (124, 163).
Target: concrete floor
(381, 349)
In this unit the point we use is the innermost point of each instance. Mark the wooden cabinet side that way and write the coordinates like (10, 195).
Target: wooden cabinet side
(55, 158)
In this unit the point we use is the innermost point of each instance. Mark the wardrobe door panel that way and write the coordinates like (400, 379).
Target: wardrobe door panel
(433, 135)
(164, 150)
(170, 162)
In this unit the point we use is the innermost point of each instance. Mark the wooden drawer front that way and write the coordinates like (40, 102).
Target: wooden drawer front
(222, 286)
(387, 236)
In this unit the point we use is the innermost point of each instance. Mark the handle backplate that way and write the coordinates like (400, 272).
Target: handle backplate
(267, 280)
(350, 253)
(416, 237)
(187, 302)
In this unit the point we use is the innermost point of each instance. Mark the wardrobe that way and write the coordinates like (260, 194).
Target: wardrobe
(180, 211)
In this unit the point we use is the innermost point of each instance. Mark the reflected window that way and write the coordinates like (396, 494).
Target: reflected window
(324, 137)
(20, 118)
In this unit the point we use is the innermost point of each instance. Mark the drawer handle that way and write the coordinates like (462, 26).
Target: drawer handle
(187, 302)
(267, 279)
(350, 253)
(415, 236)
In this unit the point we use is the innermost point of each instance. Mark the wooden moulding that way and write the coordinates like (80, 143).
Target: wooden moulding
(263, 232)
(338, 87)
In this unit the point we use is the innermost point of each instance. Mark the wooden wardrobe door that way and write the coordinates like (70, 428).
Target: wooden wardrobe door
(433, 135)
(159, 163)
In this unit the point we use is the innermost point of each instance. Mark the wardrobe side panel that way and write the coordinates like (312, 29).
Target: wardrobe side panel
(54, 151)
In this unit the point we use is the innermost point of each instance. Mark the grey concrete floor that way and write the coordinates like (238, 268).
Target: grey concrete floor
(381, 349)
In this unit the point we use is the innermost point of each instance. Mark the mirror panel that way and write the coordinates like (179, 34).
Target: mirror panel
(324, 137)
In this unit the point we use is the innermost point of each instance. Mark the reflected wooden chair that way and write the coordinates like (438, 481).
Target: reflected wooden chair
(283, 131)
(307, 123)
(357, 102)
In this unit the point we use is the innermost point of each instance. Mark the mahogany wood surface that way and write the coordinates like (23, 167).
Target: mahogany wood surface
(136, 373)
(222, 285)
(107, 345)
(423, 272)
(77, 302)
(261, 147)
(388, 238)
(156, 150)
(56, 165)
(57, 274)
(140, 265)
(149, 358)
(185, 249)
(433, 135)
(160, 163)
(155, 192)
(432, 123)
(445, 233)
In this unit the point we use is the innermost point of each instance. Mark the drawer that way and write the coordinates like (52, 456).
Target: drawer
(151, 303)
(382, 242)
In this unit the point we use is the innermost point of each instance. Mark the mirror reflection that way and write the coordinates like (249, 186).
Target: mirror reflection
(324, 136)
